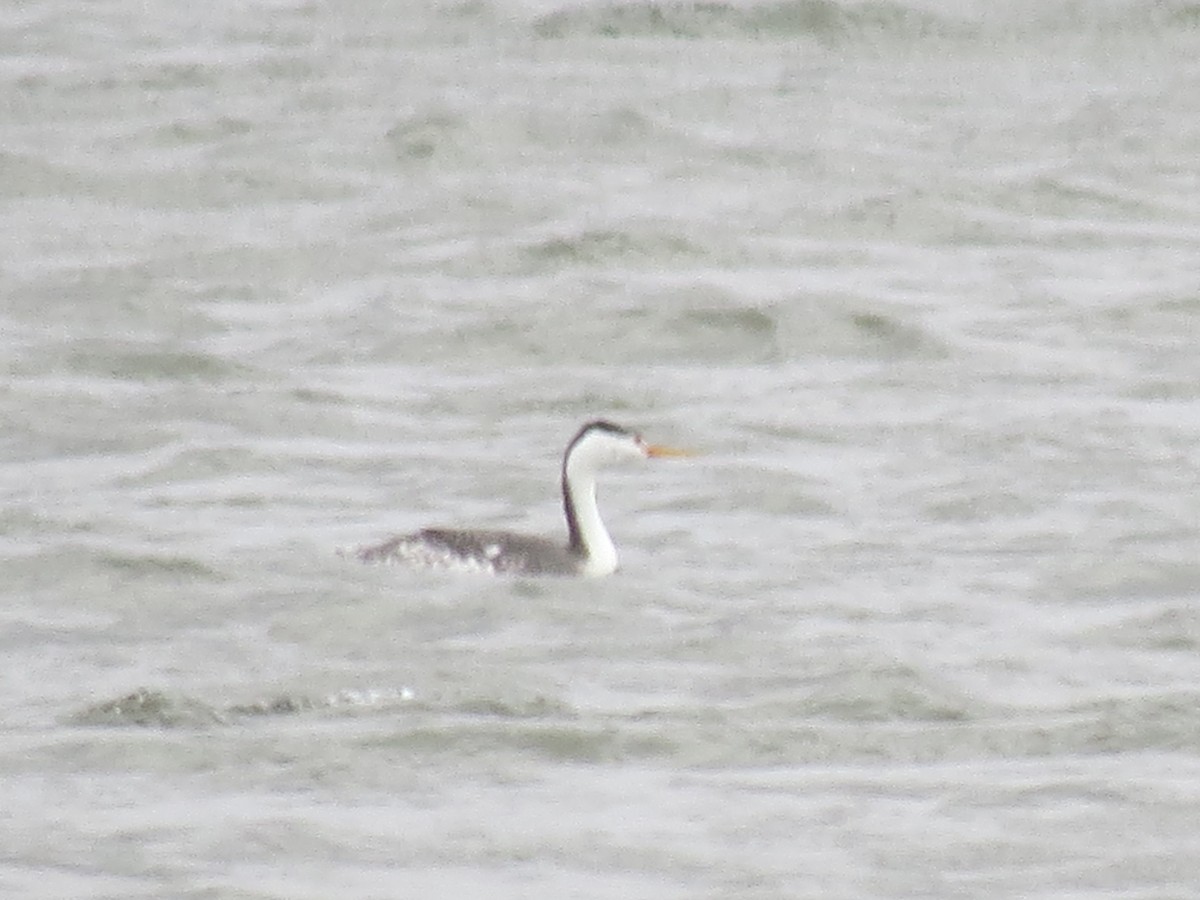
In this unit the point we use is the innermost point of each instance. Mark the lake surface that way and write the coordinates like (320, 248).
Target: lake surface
(920, 282)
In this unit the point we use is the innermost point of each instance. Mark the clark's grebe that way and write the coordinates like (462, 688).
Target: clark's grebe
(588, 550)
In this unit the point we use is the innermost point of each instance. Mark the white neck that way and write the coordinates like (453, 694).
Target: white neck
(599, 553)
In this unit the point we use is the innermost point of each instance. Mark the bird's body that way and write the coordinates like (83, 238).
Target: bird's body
(588, 550)
(491, 552)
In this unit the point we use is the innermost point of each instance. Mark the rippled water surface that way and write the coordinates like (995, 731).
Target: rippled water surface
(920, 282)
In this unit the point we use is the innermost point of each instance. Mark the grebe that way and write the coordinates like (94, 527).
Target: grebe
(588, 551)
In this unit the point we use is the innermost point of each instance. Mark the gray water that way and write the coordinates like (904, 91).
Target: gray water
(920, 282)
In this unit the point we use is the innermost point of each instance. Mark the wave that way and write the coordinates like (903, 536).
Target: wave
(828, 19)
(819, 18)
(892, 713)
(146, 707)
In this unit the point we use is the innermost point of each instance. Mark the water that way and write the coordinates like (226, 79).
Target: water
(919, 281)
